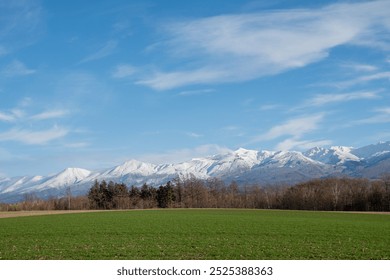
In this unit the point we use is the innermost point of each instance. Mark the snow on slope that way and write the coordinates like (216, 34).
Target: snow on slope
(69, 176)
(334, 155)
(372, 150)
(16, 184)
(131, 167)
(233, 162)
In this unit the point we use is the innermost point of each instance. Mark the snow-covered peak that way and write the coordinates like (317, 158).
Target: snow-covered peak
(290, 158)
(372, 150)
(316, 151)
(75, 171)
(71, 175)
(247, 155)
(341, 149)
(263, 155)
(11, 184)
(67, 177)
(242, 151)
(334, 155)
(344, 154)
(198, 167)
(36, 178)
(132, 167)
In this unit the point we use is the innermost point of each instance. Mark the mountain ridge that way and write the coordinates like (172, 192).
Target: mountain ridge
(242, 165)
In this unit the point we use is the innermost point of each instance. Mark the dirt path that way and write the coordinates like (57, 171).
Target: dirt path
(13, 214)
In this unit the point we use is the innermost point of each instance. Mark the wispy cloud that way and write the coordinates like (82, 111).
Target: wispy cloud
(268, 107)
(301, 145)
(364, 79)
(163, 81)
(77, 145)
(294, 131)
(18, 114)
(123, 71)
(106, 50)
(325, 99)
(6, 117)
(25, 102)
(49, 115)
(195, 92)
(13, 115)
(181, 155)
(231, 48)
(295, 127)
(31, 137)
(194, 135)
(21, 23)
(23, 126)
(382, 115)
(16, 68)
(358, 67)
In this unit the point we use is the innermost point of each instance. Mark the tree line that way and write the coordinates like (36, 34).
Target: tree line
(331, 194)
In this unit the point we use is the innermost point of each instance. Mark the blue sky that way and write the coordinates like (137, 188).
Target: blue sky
(94, 83)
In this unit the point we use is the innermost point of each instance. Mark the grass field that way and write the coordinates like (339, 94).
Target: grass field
(197, 234)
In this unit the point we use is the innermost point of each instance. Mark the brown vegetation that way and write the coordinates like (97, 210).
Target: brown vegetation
(13, 214)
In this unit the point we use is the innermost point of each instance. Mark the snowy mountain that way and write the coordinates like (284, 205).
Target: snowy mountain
(337, 155)
(372, 150)
(244, 166)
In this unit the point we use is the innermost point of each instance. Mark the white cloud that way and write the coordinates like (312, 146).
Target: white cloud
(296, 127)
(181, 155)
(360, 67)
(77, 145)
(25, 102)
(196, 92)
(385, 110)
(49, 115)
(21, 24)
(231, 48)
(33, 137)
(18, 113)
(15, 114)
(382, 116)
(163, 81)
(324, 99)
(107, 50)
(365, 79)
(301, 145)
(123, 71)
(268, 107)
(194, 135)
(16, 68)
(294, 130)
(6, 117)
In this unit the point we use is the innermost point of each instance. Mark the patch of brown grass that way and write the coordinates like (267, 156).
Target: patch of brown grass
(13, 214)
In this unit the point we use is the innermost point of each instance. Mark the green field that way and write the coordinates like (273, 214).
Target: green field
(197, 234)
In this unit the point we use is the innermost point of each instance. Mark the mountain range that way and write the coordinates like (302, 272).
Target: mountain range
(243, 166)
